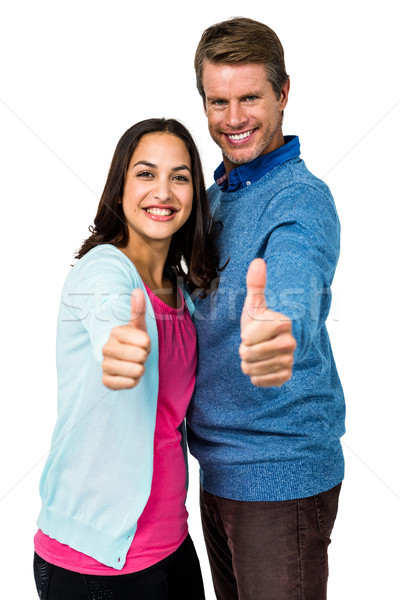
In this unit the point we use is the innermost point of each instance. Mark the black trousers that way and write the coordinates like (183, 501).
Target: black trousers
(177, 577)
(269, 550)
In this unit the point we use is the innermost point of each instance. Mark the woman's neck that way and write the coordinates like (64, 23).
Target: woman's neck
(149, 260)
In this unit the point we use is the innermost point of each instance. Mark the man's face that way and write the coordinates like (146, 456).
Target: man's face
(243, 112)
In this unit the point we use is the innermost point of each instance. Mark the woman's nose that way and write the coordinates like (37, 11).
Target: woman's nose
(162, 189)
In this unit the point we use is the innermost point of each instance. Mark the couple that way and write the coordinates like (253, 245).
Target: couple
(267, 412)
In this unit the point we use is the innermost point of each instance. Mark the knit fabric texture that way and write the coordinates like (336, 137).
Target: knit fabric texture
(276, 443)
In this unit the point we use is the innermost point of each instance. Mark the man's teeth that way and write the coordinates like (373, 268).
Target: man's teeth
(240, 136)
(163, 212)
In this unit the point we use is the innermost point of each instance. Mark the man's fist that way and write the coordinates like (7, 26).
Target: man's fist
(268, 345)
(127, 349)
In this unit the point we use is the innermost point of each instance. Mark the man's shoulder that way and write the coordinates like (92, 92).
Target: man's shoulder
(294, 194)
(213, 190)
(295, 189)
(289, 180)
(213, 194)
(294, 176)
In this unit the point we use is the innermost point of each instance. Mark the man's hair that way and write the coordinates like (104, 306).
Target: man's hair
(239, 41)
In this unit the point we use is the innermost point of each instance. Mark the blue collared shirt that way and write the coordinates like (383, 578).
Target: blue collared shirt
(247, 173)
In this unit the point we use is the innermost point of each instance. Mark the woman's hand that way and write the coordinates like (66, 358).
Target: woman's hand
(127, 349)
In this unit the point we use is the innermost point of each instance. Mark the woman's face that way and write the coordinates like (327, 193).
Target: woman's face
(158, 190)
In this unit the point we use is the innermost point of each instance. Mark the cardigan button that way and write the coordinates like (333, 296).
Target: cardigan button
(248, 182)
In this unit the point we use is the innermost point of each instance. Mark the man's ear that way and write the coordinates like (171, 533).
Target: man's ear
(284, 95)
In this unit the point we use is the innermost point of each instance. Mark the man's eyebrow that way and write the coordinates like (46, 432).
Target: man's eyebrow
(153, 166)
(214, 98)
(256, 93)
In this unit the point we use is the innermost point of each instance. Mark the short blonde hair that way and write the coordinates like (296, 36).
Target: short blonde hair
(238, 41)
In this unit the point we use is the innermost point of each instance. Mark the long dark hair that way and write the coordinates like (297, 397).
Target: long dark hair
(192, 254)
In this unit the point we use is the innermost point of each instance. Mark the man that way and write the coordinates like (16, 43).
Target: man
(268, 413)
(268, 445)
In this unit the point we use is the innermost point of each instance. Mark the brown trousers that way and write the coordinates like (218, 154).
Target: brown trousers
(269, 550)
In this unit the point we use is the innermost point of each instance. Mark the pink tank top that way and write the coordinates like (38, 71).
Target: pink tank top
(162, 526)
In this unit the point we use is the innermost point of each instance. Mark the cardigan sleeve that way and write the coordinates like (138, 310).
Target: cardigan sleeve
(97, 294)
(103, 439)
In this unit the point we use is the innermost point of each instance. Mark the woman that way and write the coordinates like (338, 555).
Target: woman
(113, 523)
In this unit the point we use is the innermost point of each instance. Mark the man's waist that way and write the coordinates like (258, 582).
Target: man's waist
(273, 480)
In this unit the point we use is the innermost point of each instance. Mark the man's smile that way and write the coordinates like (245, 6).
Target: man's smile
(239, 136)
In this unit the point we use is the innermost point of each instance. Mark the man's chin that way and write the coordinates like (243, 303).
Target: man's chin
(239, 158)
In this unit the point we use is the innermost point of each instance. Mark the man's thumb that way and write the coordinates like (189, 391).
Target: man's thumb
(256, 282)
(138, 310)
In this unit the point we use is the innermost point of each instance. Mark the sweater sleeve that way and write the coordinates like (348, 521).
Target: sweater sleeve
(301, 255)
(97, 294)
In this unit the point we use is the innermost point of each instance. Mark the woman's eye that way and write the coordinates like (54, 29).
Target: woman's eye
(181, 178)
(144, 174)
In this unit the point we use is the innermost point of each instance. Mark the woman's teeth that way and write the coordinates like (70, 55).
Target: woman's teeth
(163, 212)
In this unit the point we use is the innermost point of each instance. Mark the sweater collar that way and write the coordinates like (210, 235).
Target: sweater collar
(248, 173)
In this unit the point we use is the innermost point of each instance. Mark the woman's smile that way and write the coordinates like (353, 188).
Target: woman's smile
(160, 213)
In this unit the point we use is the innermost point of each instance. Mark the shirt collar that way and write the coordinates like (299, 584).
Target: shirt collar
(248, 173)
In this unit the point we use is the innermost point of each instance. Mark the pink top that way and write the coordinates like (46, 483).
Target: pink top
(162, 526)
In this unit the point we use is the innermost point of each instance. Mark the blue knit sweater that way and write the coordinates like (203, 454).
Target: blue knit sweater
(270, 443)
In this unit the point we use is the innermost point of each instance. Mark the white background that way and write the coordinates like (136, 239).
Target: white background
(74, 76)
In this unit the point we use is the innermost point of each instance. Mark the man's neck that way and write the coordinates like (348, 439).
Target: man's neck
(276, 142)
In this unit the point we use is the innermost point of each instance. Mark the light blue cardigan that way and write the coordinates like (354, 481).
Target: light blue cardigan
(98, 474)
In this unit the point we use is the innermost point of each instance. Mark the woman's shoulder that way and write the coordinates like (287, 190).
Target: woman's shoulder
(104, 252)
(104, 260)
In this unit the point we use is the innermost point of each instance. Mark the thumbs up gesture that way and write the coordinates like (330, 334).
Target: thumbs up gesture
(125, 353)
(268, 345)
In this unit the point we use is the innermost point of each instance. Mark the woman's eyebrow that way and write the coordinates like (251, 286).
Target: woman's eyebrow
(146, 164)
(181, 168)
(153, 166)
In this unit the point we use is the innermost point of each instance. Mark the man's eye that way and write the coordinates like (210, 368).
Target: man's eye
(250, 98)
(219, 102)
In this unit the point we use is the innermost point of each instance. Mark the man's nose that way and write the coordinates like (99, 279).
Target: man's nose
(235, 115)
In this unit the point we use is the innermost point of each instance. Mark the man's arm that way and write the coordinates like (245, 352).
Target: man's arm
(268, 345)
(301, 256)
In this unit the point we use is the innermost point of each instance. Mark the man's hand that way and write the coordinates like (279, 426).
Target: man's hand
(127, 349)
(268, 345)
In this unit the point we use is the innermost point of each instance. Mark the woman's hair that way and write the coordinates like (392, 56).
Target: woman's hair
(192, 254)
(241, 41)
